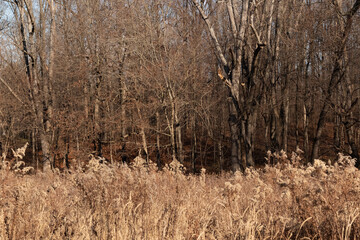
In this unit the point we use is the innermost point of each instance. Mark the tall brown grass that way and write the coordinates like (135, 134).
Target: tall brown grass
(103, 201)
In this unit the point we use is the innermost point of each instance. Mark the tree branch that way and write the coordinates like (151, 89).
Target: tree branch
(10, 89)
(212, 33)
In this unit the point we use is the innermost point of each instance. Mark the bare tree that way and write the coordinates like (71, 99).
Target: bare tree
(338, 71)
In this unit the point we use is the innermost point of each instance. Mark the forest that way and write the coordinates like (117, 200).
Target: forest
(179, 119)
(211, 84)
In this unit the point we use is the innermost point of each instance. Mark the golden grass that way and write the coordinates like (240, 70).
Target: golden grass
(284, 201)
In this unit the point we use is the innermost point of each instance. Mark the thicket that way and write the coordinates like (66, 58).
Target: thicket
(284, 200)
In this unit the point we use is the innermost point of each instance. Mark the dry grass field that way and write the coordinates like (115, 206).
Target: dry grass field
(283, 201)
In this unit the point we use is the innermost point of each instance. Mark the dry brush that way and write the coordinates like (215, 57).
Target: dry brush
(285, 200)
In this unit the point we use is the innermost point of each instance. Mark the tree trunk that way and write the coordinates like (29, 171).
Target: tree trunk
(285, 116)
(353, 146)
(97, 118)
(248, 131)
(122, 90)
(142, 132)
(158, 156)
(306, 132)
(275, 127)
(234, 132)
(172, 135)
(296, 114)
(337, 126)
(336, 76)
(193, 141)
(179, 142)
(48, 82)
(349, 120)
(122, 108)
(36, 99)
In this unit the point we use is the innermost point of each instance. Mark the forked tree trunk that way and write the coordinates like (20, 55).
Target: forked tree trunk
(239, 76)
